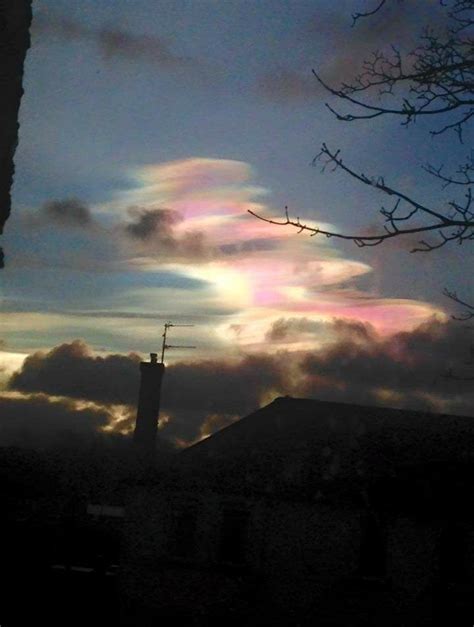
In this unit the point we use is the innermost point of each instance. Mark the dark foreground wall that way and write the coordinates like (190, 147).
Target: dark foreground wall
(15, 21)
(300, 563)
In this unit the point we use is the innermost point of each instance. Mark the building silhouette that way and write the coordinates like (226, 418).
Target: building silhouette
(308, 512)
(302, 513)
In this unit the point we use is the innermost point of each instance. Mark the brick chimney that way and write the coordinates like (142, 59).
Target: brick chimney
(146, 425)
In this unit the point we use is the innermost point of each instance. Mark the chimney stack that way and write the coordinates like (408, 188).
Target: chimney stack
(146, 426)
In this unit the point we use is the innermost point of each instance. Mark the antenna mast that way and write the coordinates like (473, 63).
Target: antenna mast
(165, 346)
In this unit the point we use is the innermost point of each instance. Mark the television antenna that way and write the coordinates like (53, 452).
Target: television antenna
(165, 346)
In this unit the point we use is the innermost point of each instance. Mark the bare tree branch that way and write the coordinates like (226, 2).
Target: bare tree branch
(357, 16)
(469, 307)
(435, 81)
(465, 174)
(457, 226)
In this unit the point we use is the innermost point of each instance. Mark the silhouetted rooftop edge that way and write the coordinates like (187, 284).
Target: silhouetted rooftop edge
(296, 405)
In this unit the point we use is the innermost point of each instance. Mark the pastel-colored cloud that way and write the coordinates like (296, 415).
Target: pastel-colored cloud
(181, 245)
(253, 267)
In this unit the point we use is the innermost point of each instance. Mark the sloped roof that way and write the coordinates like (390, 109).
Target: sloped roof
(303, 438)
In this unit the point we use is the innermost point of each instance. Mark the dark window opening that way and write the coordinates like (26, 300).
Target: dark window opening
(182, 539)
(372, 549)
(233, 537)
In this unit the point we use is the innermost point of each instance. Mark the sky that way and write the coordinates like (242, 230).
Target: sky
(148, 129)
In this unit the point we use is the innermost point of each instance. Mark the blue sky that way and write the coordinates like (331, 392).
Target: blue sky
(148, 129)
(117, 95)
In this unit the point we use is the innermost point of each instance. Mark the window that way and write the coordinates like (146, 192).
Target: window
(233, 538)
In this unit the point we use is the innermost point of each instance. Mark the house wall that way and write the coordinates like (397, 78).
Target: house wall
(288, 566)
(302, 560)
(305, 549)
(423, 593)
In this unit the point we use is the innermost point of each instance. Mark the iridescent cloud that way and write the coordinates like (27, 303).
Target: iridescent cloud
(260, 271)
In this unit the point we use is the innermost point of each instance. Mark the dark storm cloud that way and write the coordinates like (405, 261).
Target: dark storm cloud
(354, 329)
(112, 42)
(212, 385)
(407, 360)
(151, 223)
(36, 421)
(298, 329)
(407, 370)
(150, 232)
(399, 24)
(205, 393)
(221, 386)
(216, 422)
(285, 329)
(248, 246)
(72, 370)
(154, 232)
(191, 391)
(67, 212)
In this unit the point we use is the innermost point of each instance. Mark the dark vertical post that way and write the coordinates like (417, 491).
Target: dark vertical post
(146, 426)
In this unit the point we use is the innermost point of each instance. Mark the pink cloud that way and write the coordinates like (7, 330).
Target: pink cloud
(255, 268)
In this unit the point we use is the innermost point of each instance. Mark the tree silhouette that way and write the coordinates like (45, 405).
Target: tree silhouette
(435, 81)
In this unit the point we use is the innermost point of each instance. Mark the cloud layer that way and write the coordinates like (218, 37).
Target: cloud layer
(188, 220)
(38, 421)
(399, 24)
(72, 370)
(113, 43)
(406, 370)
(195, 210)
(69, 212)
